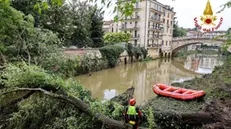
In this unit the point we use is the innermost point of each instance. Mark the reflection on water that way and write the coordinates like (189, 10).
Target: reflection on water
(143, 75)
(202, 63)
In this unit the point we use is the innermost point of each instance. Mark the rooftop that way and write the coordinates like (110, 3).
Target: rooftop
(108, 22)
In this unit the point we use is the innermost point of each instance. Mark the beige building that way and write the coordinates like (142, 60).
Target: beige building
(213, 34)
(168, 21)
(150, 26)
(110, 26)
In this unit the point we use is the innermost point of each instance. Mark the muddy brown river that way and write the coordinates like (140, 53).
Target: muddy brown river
(108, 83)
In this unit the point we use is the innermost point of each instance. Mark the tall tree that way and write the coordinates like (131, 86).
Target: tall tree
(82, 23)
(178, 31)
(96, 29)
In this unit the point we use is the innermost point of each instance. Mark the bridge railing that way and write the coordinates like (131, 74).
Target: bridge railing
(197, 37)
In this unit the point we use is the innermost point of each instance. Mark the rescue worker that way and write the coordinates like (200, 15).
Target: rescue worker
(132, 114)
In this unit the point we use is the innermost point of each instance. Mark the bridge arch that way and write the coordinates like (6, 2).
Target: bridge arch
(179, 43)
(174, 50)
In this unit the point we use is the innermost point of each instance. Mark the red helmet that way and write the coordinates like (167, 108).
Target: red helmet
(132, 102)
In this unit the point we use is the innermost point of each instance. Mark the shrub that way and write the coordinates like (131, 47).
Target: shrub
(136, 51)
(119, 37)
(112, 54)
(23, 75)
(144, 52)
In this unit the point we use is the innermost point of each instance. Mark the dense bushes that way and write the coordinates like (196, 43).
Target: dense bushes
(112, 54)
(117, 37)
(73, 66)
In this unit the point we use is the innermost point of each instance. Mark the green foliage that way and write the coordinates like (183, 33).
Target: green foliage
(144, 52)
(178, 31)
(21, 41)
(73, 66)
(149, 59)
(151, 119)
(22, 75)
(112, 54)
(136, 51)
(116, 37)
(224, 6)
(96, 29)
(227, 43)
(45, 112)
(81, 20)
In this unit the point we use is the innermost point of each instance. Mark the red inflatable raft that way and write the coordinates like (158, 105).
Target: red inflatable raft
(176, 92)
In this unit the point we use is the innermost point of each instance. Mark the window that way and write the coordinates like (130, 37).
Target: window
(130, 22)
(171, 22)
(137, 4)
(166, 43)
(162, 42)
(164, 20)
(111, 29)
(135, 33)
(136, 14)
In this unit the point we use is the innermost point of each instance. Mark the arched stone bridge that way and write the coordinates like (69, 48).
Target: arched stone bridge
(180, 42)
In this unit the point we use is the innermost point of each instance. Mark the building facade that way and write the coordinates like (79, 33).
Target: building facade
(213, 34)
(110, 26)
(150, 26)
(193, 33)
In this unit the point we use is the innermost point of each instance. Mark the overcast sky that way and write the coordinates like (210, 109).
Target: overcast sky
(187, 10)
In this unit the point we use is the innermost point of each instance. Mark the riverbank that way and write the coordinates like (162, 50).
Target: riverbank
(212, 111)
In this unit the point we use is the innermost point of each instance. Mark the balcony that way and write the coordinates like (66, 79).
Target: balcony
(135, 37)
(129, 27)
(134, 18)
(137, 7)
(155, 37)
(156, 19)
(155, 10)
(154, 28)
(154, 45)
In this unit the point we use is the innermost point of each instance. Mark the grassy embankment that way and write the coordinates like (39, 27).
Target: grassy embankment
(168, 112)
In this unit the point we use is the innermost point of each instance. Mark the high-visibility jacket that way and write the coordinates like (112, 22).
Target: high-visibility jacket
(132, 113)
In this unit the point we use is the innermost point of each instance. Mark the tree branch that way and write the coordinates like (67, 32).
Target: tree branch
(79, 104)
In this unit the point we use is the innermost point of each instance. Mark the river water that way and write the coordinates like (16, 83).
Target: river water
(108, 83)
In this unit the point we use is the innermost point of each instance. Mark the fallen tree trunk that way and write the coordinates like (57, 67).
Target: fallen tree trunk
(79, 104)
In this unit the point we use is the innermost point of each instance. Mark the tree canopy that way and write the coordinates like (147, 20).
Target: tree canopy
(116, 37)
(178, 31)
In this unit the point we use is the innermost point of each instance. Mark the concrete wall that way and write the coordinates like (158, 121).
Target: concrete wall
(94, 52)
